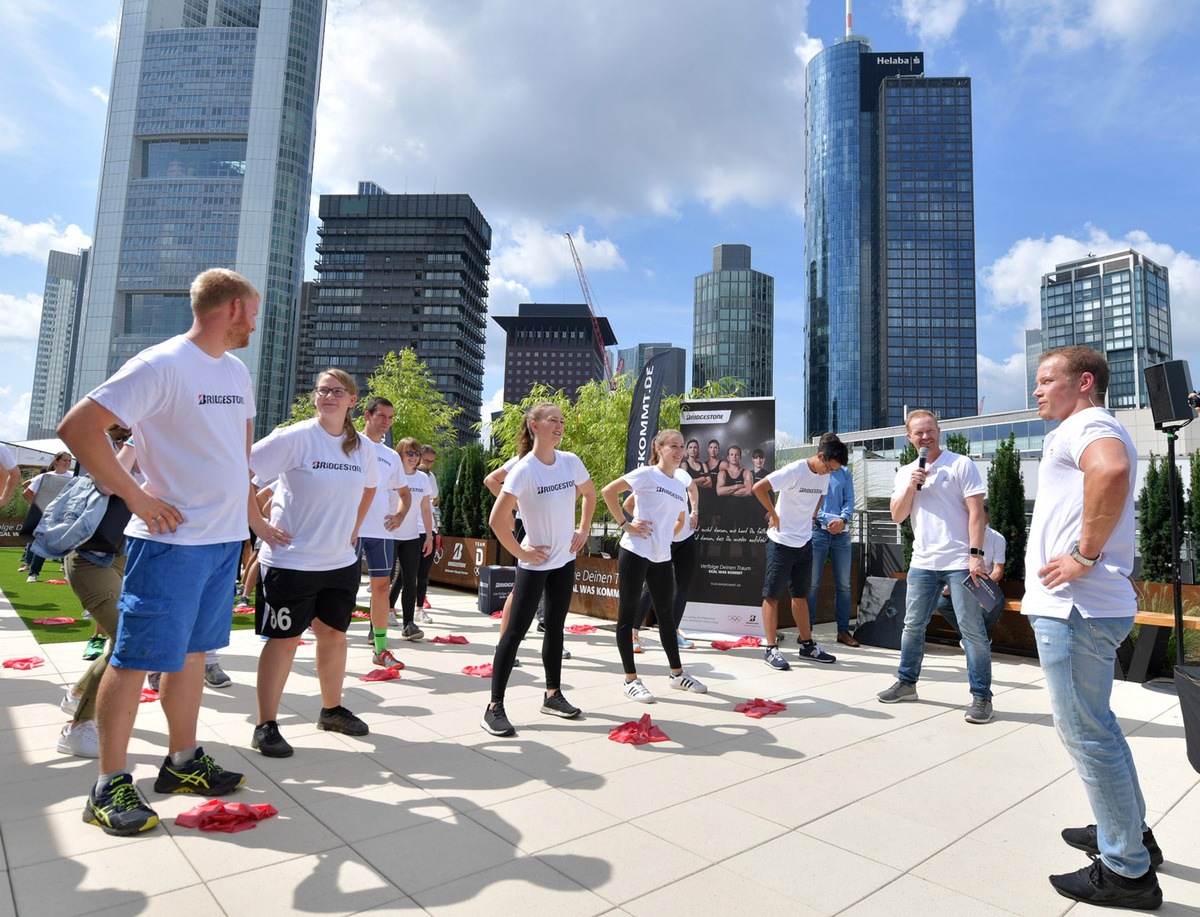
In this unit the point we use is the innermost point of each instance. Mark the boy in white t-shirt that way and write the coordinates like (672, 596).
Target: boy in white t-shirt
(801, 487)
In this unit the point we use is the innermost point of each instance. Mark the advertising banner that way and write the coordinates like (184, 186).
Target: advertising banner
(459, 560)
(643, 412)
(730, 444)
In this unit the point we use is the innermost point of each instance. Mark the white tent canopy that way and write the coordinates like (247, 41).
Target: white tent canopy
(36, 451)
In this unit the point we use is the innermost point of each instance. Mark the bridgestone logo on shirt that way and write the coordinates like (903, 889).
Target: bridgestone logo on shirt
(220, 399)
(670, 493)
(335, 466)
(550, 488)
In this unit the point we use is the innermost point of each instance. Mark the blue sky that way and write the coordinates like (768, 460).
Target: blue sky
(653, 131)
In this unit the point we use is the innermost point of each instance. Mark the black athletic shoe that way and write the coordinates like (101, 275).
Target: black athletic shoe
(1085, 839)
(119, 809)
(557, 705)
(1099, 885)
(269, 742)
(201, 775)
(339, 719)
(495, 721)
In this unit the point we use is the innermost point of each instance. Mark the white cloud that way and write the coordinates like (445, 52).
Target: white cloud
(35, 240)
(14, 414)
(108, 31)
(1077, 25)
(539, 256)
(422, 94)
(1003, 383)
(807, 47)
(490, 407)
(99, 94)
(934, 21)
(20, 320)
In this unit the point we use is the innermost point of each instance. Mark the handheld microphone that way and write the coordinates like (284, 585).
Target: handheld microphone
(922, 454)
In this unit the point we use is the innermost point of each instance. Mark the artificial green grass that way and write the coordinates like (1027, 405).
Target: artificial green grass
(42, 600)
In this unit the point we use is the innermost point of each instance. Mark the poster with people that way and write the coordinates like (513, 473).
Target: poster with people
(729, 443)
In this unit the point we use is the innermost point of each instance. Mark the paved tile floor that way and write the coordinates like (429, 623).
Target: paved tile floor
(839, 805)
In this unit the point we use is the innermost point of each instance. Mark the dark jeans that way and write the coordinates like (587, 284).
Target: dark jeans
(683, 560)
(527, 593)
(404, 577)
(634, 572)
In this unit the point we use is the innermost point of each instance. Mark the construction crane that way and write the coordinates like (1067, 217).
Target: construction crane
(587, 296)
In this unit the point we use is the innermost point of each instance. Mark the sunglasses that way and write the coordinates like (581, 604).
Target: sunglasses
(412, 453)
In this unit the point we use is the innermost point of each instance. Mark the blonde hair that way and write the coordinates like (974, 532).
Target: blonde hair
(525, 437)
(409, 444)
(217, 286)
(349, 432)
(920, 412)
(658, 441)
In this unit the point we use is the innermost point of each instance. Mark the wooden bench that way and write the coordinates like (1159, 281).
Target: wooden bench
(1143, 662)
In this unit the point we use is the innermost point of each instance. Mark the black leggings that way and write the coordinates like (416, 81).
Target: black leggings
(683, 559)
(426, 564)
(634, 571)
(527, 592)
(404, 576)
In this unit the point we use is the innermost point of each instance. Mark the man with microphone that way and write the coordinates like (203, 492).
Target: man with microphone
(943, 494)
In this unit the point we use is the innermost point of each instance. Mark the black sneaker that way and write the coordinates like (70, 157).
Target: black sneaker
(411, 632)
(339, 719)
(201, 775)
(1085, 839)
(495, 722)
(269, 742)
(1099, 885)
(557, 705)
(119, 809)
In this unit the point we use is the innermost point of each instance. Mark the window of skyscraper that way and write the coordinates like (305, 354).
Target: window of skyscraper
(194, 159)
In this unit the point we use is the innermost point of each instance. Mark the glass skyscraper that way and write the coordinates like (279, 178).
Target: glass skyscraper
(207, 163)
(733, 326)
(53, 367)
(889, 240)
(1119, 304)
(675, 371)
(397, 271)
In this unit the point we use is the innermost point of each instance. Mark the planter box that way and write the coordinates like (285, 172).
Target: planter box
(8, 533)
(459, 560)
(597, 585)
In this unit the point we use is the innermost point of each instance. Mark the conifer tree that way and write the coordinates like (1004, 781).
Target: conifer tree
(1006, 505)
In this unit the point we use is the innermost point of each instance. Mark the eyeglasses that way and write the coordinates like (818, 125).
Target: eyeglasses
(332, 392)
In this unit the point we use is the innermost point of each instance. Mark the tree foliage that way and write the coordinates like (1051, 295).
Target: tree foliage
(1193, 503)
(469, 519)
(958, 443)
(421, 410)
(1006, 505)
(1154, 523)
(302, 409)
(447, 473)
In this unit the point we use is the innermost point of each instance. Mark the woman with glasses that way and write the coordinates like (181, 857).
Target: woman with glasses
(545, 486)
(410, 545)
(660, 492)
(326, 478)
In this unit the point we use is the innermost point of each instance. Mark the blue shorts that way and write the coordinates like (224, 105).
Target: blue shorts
(176, 599)
(380, 553)
(790, 567)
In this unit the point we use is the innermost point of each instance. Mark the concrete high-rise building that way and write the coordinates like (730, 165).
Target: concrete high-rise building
(207, 163)
(61, 302)
(638, 356)
(733, 326)
(554, 344)
(889, 240)
(1119, 304)
(397, 271)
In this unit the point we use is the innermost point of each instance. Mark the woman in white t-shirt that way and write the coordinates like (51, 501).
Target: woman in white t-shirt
(411, 545)
(327, 474)
(661, 502)
(544, 486)
(60, 466)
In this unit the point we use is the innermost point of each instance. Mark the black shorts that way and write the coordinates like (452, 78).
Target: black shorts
(290, 600)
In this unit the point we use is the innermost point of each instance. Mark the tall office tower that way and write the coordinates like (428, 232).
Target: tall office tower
(1119, 304)
(207, 163)
(396, 271)
(733, 326)
(889, 240)
(554, 344)
(65, 274)
(675, 368)
(1033, 352)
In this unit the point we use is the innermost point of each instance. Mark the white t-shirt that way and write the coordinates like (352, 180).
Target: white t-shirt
(414, 522)
(940, 521)
(1104, 591)
(546, 496)
(507, 468)
(317, 495)
(188, 414)
(391, 479)
(8, 461)
(800, 491)
(995, 548)
(433, 495)
(35, 483)
(687, 531)
(660, 497)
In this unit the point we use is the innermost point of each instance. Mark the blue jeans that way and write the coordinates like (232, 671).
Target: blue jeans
(1077, 656)
(838, 548)
(924, 589)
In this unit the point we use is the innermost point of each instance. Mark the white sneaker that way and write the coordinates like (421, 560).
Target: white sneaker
(70, 702)
(423, 617)
(394, 621)
(638, 691)
(82, 741)
(31, 578)
(684, 682)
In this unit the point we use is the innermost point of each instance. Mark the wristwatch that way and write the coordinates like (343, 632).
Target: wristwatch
(1086, 561)
(977, 552)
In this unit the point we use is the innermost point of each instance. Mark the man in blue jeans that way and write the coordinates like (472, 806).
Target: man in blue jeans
(831, 538)
(1081, 604)
(943, 494)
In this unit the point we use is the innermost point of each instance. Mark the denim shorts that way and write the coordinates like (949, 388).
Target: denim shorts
(176, 599)
(380, 553)
(790, 567)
